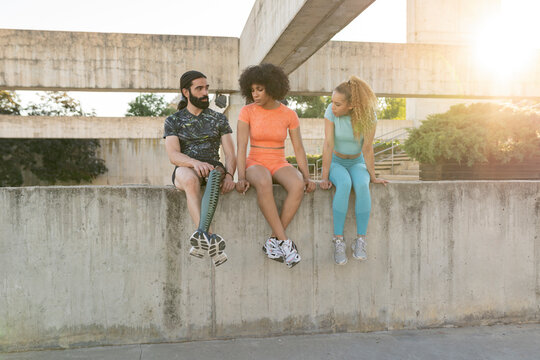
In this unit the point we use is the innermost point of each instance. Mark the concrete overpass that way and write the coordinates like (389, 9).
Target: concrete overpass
(49, 60)
(293, 34)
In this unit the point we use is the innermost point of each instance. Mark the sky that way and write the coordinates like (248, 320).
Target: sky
(383, 21)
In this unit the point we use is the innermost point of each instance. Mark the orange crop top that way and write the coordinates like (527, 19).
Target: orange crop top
(268, 128)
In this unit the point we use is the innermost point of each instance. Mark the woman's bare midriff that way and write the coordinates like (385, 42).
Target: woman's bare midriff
(343, 156)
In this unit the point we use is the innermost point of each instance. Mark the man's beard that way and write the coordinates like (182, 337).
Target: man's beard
(198, 101)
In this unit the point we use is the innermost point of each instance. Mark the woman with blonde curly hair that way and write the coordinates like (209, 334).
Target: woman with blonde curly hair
(348, 160)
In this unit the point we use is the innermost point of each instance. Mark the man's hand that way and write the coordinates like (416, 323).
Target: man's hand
(202, 168)
(325, 184)
(227, 184)
(242, 186)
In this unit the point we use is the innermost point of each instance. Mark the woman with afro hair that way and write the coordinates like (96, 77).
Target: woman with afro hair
(265, 121)
(348, 160)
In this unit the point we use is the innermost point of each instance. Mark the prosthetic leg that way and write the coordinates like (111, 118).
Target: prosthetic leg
(201, 241)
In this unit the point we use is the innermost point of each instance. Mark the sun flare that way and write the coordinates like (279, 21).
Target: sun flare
(505, 44)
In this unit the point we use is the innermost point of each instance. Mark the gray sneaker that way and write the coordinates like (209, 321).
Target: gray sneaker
(359, 249)
(340, 255)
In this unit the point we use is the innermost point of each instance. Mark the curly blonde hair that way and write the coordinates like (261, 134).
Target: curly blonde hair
(364, 105)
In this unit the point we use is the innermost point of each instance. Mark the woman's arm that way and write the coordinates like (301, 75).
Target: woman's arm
(369, 158)
(301, 160)
(242, 136)
(328, 148)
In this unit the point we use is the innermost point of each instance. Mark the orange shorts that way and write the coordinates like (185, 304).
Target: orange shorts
(272, 159)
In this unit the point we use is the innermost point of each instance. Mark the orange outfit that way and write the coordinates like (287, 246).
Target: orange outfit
(268, 129)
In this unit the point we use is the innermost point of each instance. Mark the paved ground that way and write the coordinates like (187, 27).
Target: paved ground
(475, 343)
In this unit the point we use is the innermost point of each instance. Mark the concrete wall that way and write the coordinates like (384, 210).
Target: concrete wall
(449, 22)
(411, 70)
(49, 60)
(109, 265)
(132, 147)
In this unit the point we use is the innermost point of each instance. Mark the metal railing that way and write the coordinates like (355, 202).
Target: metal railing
(380, 156)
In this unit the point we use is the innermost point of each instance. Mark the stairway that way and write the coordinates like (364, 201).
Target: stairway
(404, 168)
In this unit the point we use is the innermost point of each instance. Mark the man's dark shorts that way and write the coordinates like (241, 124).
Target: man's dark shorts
(215, 163)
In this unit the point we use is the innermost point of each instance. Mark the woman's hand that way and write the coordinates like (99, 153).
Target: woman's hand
(242, 186)
(379, 181)
(309, 185)
(325, 184)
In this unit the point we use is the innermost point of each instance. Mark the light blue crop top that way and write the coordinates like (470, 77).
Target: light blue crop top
(344, 140)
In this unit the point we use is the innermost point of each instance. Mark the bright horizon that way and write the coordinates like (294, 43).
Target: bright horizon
(383, 21)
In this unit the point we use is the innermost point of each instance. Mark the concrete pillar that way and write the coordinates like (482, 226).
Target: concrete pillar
(236, 101)
(447, 22)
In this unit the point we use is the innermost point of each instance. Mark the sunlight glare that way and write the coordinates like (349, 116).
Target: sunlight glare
(502, 48)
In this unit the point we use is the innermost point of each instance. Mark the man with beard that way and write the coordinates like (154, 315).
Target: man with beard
(193, 136)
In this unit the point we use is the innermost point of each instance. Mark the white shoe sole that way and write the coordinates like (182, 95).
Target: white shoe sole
(199, 244)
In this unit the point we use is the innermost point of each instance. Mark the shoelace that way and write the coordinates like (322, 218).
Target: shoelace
(272, 246)
(361, 243)
(340, 245)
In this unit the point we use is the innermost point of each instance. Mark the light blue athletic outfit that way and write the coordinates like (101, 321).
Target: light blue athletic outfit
(345, 173)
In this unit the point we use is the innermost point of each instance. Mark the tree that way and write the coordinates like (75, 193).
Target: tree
(149, 105)
(9, 103)
(392, 108)
(309, 106)
(50, 160)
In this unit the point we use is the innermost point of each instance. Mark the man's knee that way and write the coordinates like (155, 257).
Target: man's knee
(190, 184)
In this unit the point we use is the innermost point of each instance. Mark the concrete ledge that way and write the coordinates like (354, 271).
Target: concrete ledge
(98, 265)
(86, 61)
(81, 127)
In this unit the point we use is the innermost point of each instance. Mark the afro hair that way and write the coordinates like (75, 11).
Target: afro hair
(273, 78)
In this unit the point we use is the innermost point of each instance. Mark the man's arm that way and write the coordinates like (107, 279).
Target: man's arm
(172, 145)
(230, 156)
(230, 162)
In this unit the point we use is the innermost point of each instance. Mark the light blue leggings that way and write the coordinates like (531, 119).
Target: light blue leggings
(343, 174)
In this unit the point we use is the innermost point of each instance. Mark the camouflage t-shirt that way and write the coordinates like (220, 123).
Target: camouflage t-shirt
(200, 136)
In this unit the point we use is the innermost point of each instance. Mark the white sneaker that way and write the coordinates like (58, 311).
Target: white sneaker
(359, 248)
(215, 250)
(272, 250)
(290, 253)
(199, 244)
(340, 255)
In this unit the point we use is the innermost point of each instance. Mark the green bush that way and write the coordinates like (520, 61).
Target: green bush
(482, 132)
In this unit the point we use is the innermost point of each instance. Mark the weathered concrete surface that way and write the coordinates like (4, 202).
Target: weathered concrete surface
(109, 265)
(411, 70)
(49, 60)
(52, 60)
(445, 22)
(81, 127)
(503, 342)
(287, 33)
(451, 22)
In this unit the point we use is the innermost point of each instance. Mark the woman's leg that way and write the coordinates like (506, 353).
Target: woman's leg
(261, 179)
(362, 208)
(339, 176)
(291, 180)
